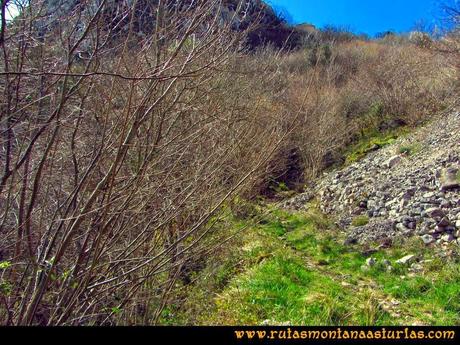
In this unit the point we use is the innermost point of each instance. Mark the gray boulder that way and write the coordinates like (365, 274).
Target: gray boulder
(449, 178)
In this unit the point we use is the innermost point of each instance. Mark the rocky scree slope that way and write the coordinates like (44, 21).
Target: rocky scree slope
(409, 188)
(123, 16)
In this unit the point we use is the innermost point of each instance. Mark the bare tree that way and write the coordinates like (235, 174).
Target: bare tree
(119, 143)
(451, 41)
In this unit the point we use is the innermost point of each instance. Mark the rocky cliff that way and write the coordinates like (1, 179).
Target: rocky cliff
(266, 26)
(410, 188)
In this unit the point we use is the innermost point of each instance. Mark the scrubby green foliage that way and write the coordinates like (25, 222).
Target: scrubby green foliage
(4, 265)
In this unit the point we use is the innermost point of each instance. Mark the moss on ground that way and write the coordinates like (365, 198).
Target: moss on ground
(370, 141)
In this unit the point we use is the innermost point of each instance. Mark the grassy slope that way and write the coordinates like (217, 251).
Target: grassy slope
(292, 268)
(372, 140)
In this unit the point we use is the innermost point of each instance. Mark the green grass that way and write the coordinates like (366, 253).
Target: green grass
(294, 268)
(369, 141)
(458, 176)
(410, 149)
(360, 220)
(283, 290)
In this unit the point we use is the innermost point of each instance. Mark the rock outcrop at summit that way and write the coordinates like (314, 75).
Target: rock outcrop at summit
(267, 26)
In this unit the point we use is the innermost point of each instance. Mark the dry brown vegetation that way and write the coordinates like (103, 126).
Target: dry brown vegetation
(361, 85)
(116, 153)
(119, 149)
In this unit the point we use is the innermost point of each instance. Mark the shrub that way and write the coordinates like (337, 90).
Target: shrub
(363, 87)
(112, 177)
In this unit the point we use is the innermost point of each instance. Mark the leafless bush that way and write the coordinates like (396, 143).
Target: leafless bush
(118, 146)
(126, 127)
(361, 85)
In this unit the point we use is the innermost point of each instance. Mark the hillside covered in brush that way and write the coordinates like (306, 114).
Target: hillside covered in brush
(161, 159)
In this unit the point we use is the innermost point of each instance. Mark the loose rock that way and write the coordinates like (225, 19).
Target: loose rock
(427, 239)
(406, 260)
(393, 161)
(415, 196)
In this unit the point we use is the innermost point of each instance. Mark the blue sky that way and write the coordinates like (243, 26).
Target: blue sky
(362, 16)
